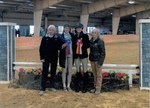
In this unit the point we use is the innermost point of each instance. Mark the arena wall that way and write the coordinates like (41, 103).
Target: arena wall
(33, 42)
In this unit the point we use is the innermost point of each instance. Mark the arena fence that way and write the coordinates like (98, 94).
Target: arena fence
(130, 69)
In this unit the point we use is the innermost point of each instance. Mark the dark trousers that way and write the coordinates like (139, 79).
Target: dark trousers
(45, 72)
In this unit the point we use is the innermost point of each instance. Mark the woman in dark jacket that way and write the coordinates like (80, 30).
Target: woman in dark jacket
(49, 47)
(97, 56)
(66, 57)
(80, 54)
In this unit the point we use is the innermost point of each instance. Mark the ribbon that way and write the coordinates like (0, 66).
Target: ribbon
(68, 48)
(79, 45)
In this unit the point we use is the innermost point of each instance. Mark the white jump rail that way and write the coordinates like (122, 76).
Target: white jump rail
(104, 65)
(130, 69)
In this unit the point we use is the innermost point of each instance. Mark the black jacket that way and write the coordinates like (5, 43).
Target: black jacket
(97, 51)
(49, 47)
(85, 41)
(62, 54)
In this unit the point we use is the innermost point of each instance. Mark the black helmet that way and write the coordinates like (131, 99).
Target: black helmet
(79, 25)
(66, 25)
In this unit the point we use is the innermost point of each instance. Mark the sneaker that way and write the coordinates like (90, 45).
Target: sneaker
(65, 89)
(69, 89)
(52, 89)
(92, 91)
(41, 93)
(97, 92)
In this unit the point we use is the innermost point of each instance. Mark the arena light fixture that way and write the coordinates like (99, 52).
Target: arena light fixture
(131, 1)
(133, 15)
(1, 2)
(52, 7)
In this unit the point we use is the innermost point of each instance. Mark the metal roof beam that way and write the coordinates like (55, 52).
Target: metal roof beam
(42, 4)
(101, 5)
(143, 14)
(131, 10)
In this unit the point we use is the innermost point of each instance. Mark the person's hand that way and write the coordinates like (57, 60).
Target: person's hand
(42, 60)
(64, 45)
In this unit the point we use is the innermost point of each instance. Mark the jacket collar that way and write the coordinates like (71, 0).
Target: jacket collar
(54, 36)
(80, 35)
(96, 40)
(64, 34)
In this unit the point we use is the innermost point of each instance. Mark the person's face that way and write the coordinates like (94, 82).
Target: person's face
(78, 30)
(66, 29)
(51, 31)
(94, 34)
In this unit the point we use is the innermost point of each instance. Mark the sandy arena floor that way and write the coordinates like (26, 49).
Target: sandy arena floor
(118, 53)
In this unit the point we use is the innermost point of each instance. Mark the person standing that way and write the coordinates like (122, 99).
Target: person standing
(66, 50)
(80, 55)
(50, 44)
(97, 56)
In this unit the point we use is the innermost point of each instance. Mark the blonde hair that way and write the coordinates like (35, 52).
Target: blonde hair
(97, 31)
(52, 27)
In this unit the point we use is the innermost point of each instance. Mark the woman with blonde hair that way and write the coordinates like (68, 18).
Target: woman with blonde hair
(97, 56)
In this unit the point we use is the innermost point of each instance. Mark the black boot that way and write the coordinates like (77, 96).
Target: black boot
(78, 80)
(85, 83)
(52, 82)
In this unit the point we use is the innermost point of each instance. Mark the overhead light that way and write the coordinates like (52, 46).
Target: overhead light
(52, 7)
(133, 15)
(31, 5)
(111, 13)
(83, 1)
(1, 2)
(131, 1)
